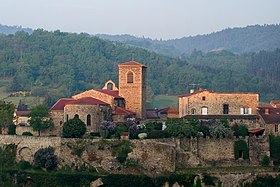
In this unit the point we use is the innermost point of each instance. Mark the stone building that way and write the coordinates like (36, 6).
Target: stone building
(270, 117)
(205, 104)
(109, 103)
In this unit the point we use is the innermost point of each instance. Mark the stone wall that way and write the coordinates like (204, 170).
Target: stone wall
(97, 95)
(214, 101)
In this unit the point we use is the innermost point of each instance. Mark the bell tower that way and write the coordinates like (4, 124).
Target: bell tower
(132, 87)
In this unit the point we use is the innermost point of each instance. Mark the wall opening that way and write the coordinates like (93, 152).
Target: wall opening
(225, 108)
(129, 77)
(76, 116)
(88, 120)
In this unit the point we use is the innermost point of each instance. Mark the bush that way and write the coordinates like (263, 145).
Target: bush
(274, 145)
(93, 135)
(220, 130)
(155, 134)
(120, 150)
(23, 165)
(208, 180)
(74, 128)
(12, 129)
(27, 134)
(241, 145)
(240, 130)
(45, 158)
(265, 161)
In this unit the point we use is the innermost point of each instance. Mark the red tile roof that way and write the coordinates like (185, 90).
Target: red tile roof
(114, 93)
(60, 104)
(86, 101)
(122, 111)
(22, 113)
(276, 103)
(132, 63)
(152, 114)
(272, 117)
(257, 130)
(169, 110)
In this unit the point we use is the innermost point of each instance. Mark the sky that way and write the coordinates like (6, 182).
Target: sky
(156, 19)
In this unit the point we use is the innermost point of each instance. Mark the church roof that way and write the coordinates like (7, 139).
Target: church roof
(122, 111)
(60, 104)
(86, 101)
(134, 63)
(114, 93)
(22, 113)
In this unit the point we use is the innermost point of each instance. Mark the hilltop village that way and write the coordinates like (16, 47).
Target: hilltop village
(160, 143)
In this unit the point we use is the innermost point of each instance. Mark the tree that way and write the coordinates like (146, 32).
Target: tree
(39, 118)
(6, 113)
(45, 158)
(179, 128)
(74, 128)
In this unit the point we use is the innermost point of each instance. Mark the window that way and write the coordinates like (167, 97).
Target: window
(276, 128)
(76, 116)
(110, 86)
(67, 117)
(193, 111)
(130, 77)
(225, 108)
(88, 120)
(203, 98)
(204, 110)
(245, 111)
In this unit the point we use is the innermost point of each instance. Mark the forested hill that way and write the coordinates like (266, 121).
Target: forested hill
(4, 29)
(237, 40)
(57, 64)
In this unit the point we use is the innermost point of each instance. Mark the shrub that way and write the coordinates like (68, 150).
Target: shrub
(157, 134)
(74, 128)
(240, 130)
(265, 161)
(158, 126)
(27, 134)
(274, 145)
(94, 134)
(133, 131)
(208, 180)
(120, 149)
(12, 129)
(219, 130)
(45, 158)
(23, 165)
(241, 145)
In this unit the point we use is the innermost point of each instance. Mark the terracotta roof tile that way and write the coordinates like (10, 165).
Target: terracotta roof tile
(22, 113)
(86, 101)
(272, 117)
(114, 93)
(132, 63)
(60, 104)
(152, 114)
(122, 111)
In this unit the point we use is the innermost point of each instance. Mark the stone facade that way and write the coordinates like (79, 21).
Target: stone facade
(206, 102)
(133, 91)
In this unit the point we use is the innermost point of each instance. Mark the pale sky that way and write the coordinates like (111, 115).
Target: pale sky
(166, 19)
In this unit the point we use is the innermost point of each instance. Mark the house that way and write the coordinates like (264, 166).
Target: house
(270, 117)
(238, 107)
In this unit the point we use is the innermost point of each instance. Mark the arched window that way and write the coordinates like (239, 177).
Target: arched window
(76, 116)
(193, 111)
(204, 110)
(88, 120)
(110, 86)
(130, 77)
(67, 117)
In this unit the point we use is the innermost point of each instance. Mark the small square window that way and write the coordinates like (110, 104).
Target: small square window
(203, 98)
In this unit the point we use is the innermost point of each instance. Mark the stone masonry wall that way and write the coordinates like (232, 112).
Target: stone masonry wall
(214, 102)
(97, 95)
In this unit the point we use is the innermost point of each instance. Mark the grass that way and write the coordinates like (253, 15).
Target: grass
(29, 100)
(163, 101)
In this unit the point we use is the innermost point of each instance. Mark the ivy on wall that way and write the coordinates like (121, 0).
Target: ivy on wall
(241, 150)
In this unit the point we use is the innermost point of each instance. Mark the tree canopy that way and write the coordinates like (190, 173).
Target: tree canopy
(6, 113)
(74, 128)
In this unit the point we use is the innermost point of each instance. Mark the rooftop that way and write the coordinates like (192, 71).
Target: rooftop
(134, 63)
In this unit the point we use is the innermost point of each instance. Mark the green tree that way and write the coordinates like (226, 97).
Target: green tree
(6, 113)
(45, 158)
(39, 118)
(74, 128)
(179, 128)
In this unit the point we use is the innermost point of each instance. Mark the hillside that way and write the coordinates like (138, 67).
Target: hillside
(57, 64)
(237, 40)
(4, 29)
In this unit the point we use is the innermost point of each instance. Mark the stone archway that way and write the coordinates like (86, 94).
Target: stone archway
(25, 153)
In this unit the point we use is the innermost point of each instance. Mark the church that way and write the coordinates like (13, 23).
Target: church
(94, 106)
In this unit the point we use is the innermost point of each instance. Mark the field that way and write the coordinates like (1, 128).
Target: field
(162, 101)
(5, 95)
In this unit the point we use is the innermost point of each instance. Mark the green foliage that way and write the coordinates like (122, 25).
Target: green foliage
(220, 129)
(208, 180)
(8, 156)
(77, 147)
(198, 182)
(6, 113)
(239, 146)
(177, 127)
(39, 118)
(265, 161)
(11, 129)
(155, 134)
(27, 134)
(267, 181)
(45, 158)
(23, 165)
(240, 130)
(132, 162)
(120, 149)
(274, 144)
(120, 129)
(74, 128)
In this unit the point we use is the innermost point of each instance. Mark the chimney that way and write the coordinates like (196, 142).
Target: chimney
(191, 90)
(266, 111)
